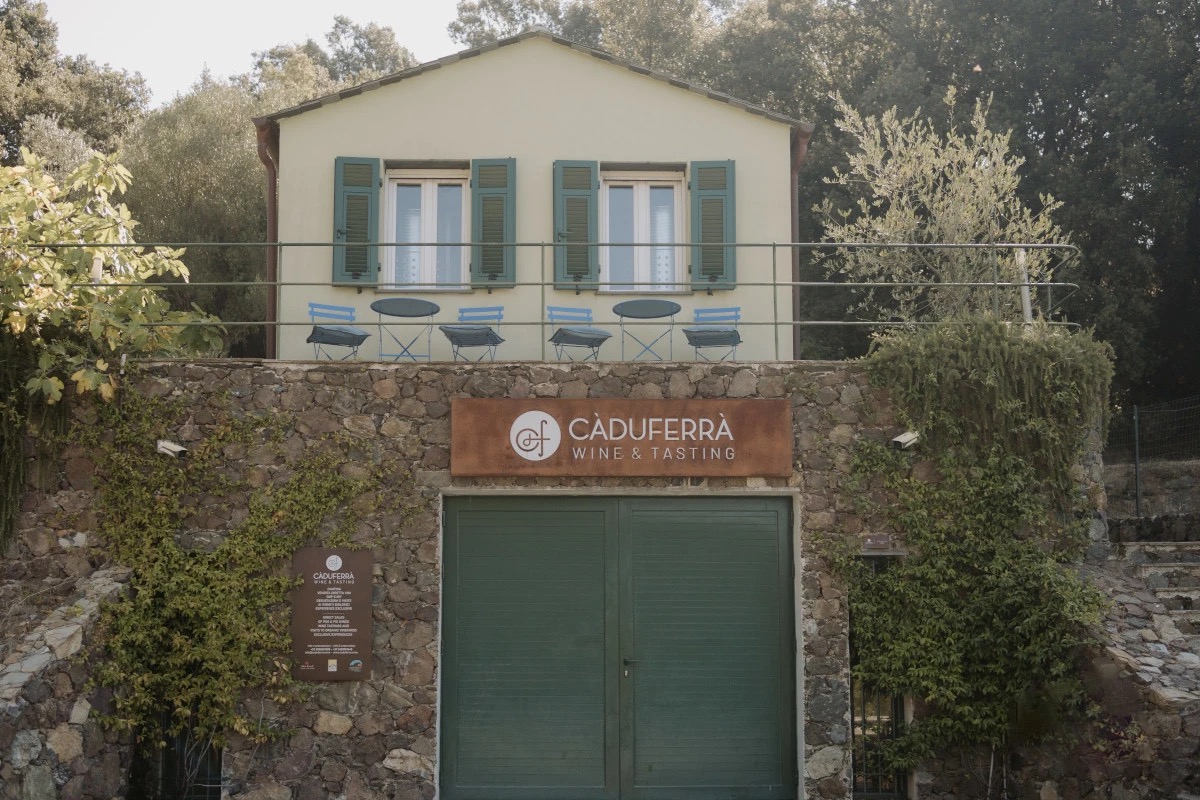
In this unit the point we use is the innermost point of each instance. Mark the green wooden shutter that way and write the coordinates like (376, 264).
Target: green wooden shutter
(493, 219)
(712, 185)
(528, 635)
(706, 622)
(356, 219)
(576, 215)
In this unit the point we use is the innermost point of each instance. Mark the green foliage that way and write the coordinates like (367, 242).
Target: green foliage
(67, 316)
(358, 53)
(198, 630)
(199, 179)
(69, 310)
(354, 54)
(1101, 101)
(96, 103)
(1035, 391)
(981, 622)
(666, 35)
(916, 185)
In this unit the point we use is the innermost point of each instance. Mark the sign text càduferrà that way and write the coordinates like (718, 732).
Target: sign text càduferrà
(615, 437)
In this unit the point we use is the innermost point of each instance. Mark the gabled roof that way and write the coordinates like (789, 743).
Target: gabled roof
(540, 33)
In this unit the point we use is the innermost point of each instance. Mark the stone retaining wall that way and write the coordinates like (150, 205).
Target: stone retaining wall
(376, 739)
(52, 746)
(1169, 488)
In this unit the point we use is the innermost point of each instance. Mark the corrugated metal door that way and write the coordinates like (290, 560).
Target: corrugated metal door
(617, 648)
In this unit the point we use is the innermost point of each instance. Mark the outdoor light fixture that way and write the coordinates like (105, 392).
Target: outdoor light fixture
(170, 448)
(906, 440)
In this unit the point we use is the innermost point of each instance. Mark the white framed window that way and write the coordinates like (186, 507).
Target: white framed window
(643, 208)
(430, 209)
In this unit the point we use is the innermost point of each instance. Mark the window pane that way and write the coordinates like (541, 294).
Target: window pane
(449, 229)
(408, 229)
(662, 231)
(620, 229)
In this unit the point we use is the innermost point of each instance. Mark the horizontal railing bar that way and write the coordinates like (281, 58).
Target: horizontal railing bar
(388, 287)
(519, 324)
(777, 245)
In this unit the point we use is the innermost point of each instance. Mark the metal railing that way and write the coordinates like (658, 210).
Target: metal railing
(787, 262)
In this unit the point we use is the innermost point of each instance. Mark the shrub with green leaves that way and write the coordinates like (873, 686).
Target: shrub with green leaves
(983, 621)
(69, 315)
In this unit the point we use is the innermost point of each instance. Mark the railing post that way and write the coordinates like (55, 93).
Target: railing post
(1137, 467)
(996, 283)
(542, 282)
(775, 296)
(1026, 302)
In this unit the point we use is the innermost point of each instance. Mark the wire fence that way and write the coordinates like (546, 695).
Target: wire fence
(1167, 431)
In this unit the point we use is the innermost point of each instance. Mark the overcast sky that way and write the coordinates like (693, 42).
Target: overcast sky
(171, 42)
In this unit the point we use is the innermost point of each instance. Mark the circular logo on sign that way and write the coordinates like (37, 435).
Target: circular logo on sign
(535, 436)
(333, 563)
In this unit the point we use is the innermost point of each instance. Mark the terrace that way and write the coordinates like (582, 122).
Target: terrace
(774, 315)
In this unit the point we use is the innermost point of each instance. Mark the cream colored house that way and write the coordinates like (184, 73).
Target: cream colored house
(507, 176)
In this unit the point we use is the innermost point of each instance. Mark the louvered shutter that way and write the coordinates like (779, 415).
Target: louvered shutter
(493, 219)
(576, 209)
(356, 220)
(713, 254)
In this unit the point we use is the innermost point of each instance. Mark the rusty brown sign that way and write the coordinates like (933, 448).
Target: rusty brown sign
(619, 437)
(331, 614)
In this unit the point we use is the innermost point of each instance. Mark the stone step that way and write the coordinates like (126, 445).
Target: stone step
(1169, 574)
(1187, 621)
(1149, 552)
(1163, 528)
(1179, 598)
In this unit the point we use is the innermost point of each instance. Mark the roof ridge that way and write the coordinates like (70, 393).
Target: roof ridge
(540, 32)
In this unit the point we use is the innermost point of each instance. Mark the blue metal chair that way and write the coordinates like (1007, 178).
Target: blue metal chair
(406, 308)
(648, 309)
(326, 336)
(715, 328)
(577, 333)
(474, 332)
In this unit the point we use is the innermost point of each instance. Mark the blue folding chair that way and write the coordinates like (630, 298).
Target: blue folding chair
(408, 344)
(715, 328)
(474, 332)
(577, 333)
(326, 336)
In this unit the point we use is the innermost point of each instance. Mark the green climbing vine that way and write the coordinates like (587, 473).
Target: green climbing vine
(202, 625)
(982, 622)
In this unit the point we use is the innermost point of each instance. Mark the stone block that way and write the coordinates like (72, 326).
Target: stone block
(105, 778)
(66, 743)
(38, 783)
(825, 762)
(268, 791)
(406, 762)
(25, 749)
(329, 723)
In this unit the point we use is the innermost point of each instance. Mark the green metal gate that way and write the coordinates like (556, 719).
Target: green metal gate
(633, 649)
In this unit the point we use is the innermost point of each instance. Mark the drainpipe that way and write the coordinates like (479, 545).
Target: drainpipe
(268, 153)
(800, 137)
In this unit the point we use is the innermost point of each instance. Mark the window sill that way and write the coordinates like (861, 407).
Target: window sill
(424, 289)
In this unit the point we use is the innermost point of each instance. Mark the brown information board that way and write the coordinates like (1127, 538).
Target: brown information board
(620, 437)
(331, 614)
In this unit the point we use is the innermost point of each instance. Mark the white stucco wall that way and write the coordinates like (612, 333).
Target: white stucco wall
(536, 101)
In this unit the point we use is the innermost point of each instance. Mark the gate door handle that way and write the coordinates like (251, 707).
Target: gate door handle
(628, 661)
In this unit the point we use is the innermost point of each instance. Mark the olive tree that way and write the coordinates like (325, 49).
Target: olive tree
(914, 185)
